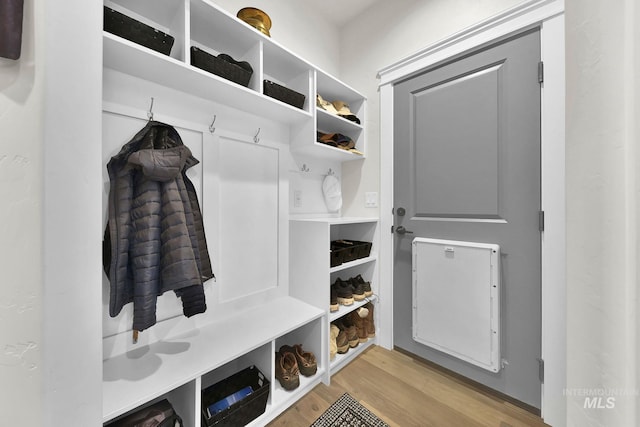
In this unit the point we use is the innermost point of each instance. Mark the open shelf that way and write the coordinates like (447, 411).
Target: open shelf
(139, 61)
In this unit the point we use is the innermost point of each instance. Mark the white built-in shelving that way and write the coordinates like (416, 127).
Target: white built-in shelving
(312, 274)
(180, 363)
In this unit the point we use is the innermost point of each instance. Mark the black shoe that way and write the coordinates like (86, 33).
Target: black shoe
(333, 301)
(357, 289)
(344, 292)
(366, 286)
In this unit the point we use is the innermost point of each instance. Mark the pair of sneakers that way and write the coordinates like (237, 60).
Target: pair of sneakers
(291, 361)
(345, 292)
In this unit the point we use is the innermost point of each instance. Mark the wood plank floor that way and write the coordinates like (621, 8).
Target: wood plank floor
(406, 392)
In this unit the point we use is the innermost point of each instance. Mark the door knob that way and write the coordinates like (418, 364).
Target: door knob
(402, 230)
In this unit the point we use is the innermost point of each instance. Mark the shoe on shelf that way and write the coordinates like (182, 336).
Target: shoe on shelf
(344, 292)
(365, 285)
(363, 312)
(334, 331)
(357, 289)
(287, 371)
(371, 328)
(342, 343)
(325, 105)
(360, 325)
(333, 300)
(346, 324)
(306, 360)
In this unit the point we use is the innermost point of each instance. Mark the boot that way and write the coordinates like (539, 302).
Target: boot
(371, 328)
(333, 346)
(359, 323)
(342, 343)
(350, 329)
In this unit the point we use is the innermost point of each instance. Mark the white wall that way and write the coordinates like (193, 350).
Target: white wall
(389, 32)
(602, 215)
(21, 93)
(306, 34)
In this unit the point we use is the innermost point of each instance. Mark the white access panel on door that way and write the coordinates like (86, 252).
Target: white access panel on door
(456, 299)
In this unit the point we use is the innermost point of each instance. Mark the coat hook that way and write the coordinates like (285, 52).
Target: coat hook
(211, 128)
(304, 168)
(150, 112)
(255, 138)
(330, 173)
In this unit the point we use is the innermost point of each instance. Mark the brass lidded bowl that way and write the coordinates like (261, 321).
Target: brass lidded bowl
(256, 18)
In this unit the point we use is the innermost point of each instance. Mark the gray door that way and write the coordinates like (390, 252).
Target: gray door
(467, 168)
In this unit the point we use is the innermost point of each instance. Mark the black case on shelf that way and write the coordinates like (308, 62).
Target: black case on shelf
(128, 28)
(242, 412)
(220, 67)
(283, 94)
(348, 250)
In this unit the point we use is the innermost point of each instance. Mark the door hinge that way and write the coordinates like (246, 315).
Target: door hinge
(541, 369)
(540, 72)
(392, 229)
(541, 220)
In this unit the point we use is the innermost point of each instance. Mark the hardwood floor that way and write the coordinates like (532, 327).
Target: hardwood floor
(406, 392)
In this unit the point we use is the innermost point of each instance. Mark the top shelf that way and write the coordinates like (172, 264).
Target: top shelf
(139, 61)
(203, 24)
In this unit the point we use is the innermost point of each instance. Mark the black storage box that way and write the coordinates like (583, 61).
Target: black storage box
(220, 67)
(283, 94)
(345, 250)
(242, 412)
(336, 257)
(160, 413)
(349, 250)
(128, 28)
(363, 249)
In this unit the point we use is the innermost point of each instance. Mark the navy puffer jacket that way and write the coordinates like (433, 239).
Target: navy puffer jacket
(154, 241)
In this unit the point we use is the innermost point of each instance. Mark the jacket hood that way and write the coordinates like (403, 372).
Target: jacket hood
(163, 165)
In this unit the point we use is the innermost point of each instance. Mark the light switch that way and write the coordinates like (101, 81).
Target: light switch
(297, 198)
(371, 200)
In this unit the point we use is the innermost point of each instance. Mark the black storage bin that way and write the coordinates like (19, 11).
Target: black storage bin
(363, 249)
(242, 412)
(220, 67)
(126, 27)
(345, 249)
(161, 412)
(336, 257)
(283, 94)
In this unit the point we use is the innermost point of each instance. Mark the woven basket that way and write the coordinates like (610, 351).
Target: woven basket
(128, 28)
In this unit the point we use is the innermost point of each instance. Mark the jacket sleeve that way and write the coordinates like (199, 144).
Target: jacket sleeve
(145, 251)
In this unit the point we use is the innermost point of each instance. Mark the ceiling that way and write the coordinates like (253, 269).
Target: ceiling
(340, 12)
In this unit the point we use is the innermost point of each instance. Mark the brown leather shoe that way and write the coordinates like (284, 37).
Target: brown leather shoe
(346, 324)
(371, 328)
(287, 371)
(305, 359)
(360, 325)
(342, 343)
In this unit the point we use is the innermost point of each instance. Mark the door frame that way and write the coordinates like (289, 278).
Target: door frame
(548, 15)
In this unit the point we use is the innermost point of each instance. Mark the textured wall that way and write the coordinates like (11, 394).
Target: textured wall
(21, 92)
(602, 216)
